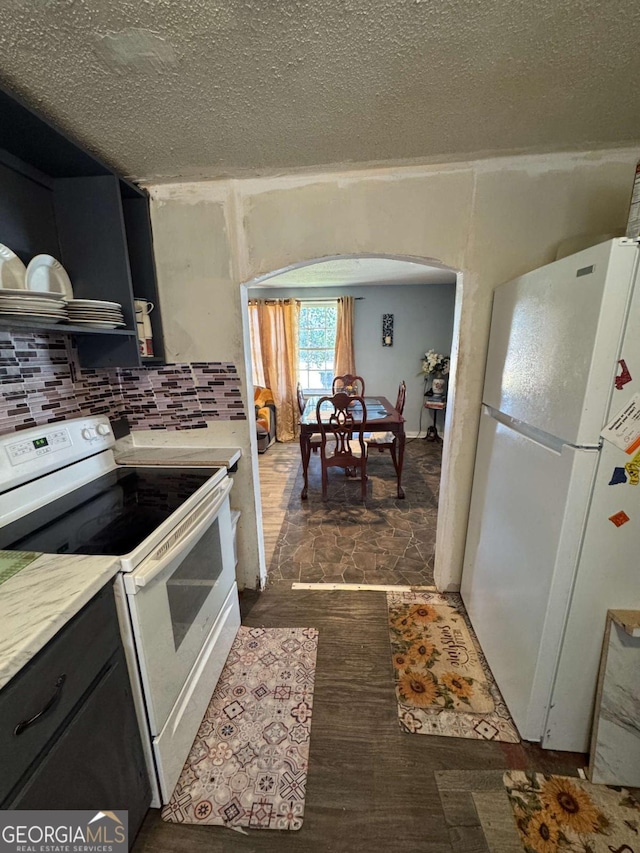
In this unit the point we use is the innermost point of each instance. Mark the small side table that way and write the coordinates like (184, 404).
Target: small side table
(435, 406)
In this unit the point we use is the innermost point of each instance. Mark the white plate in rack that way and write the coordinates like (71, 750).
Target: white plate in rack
(81, 310)
(90, 315)
(26, 294)
(30, 304)
(98, 324)
(115, 320)
(33, 318)
(47, 275)
(95, 303)
(28, 313)
(13, 272)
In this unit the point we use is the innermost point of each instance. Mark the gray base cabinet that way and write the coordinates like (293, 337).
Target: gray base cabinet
(68, 725)
(97, 758)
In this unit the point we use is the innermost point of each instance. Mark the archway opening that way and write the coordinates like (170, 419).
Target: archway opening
(424, 297)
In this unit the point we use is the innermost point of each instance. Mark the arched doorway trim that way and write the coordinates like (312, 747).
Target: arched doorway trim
(413, 259)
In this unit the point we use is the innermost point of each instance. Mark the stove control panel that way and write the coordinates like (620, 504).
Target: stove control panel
(30, 453)
(48, 442)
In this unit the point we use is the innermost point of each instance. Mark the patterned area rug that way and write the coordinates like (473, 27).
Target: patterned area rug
(435, 661)
(557, 813)
(248, 764)
(443, 683)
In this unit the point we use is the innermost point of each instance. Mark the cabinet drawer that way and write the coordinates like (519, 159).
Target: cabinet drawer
(62, 672)
(97, 759)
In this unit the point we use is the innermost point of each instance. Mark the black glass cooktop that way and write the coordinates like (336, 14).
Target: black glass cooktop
(111, 515)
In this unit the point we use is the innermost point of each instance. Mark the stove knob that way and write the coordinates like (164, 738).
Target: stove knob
(87, 433)
(103, 429)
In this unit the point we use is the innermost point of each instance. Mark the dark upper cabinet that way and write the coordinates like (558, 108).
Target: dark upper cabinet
(142, 263)
(57, 199)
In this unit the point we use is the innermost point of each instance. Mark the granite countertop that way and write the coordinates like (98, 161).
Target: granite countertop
(38, 600)
(207, 457)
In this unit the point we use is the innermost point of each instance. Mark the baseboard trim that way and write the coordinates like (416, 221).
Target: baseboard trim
(364, 587)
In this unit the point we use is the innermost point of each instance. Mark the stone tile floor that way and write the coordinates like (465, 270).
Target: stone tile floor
(381, 541)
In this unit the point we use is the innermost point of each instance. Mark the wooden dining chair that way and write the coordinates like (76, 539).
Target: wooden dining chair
(349, 380)
(339, 432)
(382, 441)
(302, 401)
(314, 441)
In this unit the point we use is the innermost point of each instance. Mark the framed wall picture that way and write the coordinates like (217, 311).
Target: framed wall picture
(387, 330)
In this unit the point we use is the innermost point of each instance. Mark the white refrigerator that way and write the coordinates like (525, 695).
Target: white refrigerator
(543, 559)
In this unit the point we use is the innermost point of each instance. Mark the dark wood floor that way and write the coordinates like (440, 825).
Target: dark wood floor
(371, 787)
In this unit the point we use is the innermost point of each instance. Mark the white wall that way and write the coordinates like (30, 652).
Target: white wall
(493, 219)
(423, 319)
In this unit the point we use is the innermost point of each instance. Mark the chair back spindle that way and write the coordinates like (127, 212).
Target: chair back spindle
(314, 440)
(387, 441)
(302, 401)
(402, 393)
(349, 380)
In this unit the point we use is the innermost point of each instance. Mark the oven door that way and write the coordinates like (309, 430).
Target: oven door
(175, 596)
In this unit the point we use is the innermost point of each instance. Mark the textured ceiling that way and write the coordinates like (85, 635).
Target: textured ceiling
(188, 88)
(352, 271)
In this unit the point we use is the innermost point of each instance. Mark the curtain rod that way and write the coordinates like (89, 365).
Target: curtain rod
(311, 299)
(254, 299)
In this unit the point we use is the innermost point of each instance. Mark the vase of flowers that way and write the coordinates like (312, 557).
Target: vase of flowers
(435, 366)
(438, 384)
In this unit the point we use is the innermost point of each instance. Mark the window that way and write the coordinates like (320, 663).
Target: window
(317, 343)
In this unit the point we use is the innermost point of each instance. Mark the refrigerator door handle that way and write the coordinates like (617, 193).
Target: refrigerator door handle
(551, 442)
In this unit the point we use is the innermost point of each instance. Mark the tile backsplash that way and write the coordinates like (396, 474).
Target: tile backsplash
(41, 382)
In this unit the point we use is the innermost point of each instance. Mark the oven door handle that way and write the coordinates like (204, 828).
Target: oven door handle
(148, 570)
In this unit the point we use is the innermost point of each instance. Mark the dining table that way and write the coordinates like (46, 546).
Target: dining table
(381, 417)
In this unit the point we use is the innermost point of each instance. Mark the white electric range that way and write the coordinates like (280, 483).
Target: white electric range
(61, 492)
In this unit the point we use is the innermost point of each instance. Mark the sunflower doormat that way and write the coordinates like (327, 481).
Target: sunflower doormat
(555, 814)
(443, 684)
(248, 764)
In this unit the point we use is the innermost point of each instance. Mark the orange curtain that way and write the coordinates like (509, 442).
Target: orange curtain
(344, 356)
(275, 328)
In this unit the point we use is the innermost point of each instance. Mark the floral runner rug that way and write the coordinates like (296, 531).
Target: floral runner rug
(557, 813)
(443, 683)
(248, 764)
